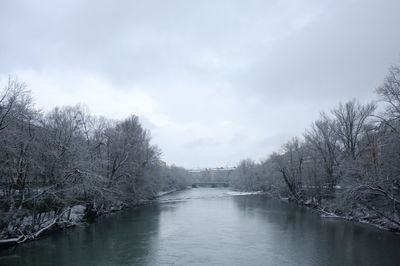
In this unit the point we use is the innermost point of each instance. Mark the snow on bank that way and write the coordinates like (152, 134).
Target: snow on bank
(162, 193)
(77, 213)
(241, 193)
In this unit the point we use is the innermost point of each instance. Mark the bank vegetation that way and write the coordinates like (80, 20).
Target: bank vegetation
(347, 164)
(61, 167)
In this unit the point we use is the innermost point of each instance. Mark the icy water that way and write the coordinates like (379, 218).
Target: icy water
(212, 226)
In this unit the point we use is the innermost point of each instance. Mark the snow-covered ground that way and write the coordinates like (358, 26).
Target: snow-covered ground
(162, 193)
(240, 193)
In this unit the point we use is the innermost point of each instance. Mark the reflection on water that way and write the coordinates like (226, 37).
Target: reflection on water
(212, 226)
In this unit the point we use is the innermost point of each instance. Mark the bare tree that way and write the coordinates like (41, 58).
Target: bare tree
(351, 118)
(389, 93)
(9, 98)
(324, 141)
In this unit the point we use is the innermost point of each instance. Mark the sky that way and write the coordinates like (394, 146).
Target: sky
(214, 81)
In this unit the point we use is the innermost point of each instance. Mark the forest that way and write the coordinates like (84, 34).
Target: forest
(346, 165)
(60, 167)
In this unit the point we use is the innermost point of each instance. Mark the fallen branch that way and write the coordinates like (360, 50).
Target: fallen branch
(12, 241)
(382, 214)
(23, 238)
(379, 191)
(326, 214)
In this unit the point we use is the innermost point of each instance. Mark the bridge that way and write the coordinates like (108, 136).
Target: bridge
(211, 177)
(210, 170)
(210, 184)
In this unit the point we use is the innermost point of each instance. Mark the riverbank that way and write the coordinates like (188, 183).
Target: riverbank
(69, 217)
(22, 231)
(357, 214)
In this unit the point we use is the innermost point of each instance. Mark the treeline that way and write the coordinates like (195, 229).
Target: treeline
(51, 162)
(347, 164)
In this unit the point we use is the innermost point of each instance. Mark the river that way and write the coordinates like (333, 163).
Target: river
(212, 226)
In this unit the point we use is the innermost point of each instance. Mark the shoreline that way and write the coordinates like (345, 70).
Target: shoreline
(322, 213)
(60, 223)
(79, 217)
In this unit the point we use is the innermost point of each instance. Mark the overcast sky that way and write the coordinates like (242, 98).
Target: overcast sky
(214, 81)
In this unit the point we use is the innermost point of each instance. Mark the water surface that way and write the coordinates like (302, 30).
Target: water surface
(212, 226)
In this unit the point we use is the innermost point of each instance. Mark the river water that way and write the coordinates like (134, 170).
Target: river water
(212, 226)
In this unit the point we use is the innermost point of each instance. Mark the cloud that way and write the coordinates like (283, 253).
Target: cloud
(214, 81)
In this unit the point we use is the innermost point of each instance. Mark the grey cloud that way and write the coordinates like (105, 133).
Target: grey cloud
(267, 67)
